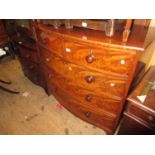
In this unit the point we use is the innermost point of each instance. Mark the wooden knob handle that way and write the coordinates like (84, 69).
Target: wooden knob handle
(90, 58)
(87, 114)
(90, 79)
(45, 40)
(88, 98)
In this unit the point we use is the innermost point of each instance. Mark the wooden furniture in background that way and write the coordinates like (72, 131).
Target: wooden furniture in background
(139, 117)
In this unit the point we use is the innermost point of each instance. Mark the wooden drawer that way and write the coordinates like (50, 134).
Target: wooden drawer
(112, 60)
(130, 126)
(111, 85)
(29, 54)
(50, 42)
(142, 115)
(88, 114)
(96, 100)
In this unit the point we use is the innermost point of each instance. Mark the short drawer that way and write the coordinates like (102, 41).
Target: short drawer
(101, 120)
(142, 115)
(29, 54)
(50, 41)
(113, 60)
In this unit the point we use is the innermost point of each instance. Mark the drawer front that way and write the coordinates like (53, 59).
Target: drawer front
(28, 54)
(96, 100)
(109, 84)
(142, 115)
(50, 42)
(112, 60)
(88, 114)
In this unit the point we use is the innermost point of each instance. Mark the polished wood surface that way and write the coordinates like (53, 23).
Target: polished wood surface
(135, 42)
(89, 73)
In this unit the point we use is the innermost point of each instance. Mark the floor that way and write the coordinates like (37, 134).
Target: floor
(33, 111)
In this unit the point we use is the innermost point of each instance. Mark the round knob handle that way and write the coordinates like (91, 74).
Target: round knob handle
(45, 40)
(90, 58)
(87, 114)
(88, 98)
(90, 79)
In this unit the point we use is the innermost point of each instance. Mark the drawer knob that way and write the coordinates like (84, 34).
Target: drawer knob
(90, 58)
(88, 98)
(45, 41)
(90, 79)
(151, 118)
(87, 114)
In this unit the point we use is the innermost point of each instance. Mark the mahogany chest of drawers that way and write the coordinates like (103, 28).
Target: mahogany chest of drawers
(139, 115)
(89, 73)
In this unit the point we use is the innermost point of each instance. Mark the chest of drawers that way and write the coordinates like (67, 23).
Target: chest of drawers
(87, 72)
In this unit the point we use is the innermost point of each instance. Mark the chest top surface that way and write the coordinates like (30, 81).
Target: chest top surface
(135, 41)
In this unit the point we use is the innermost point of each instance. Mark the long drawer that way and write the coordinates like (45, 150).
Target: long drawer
(114, 86)
(113, 60)
(141, 115)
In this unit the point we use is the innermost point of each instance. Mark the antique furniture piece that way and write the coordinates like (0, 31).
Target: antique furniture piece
(27, 49)
(139, 115)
